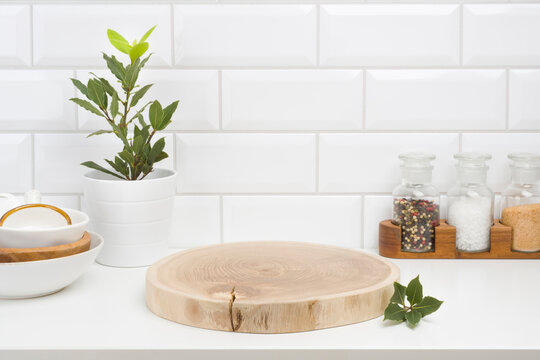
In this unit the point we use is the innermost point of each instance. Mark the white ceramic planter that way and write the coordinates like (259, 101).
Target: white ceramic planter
(134, 217)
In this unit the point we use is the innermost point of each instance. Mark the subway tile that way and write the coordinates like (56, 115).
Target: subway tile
(16, 163)
(58, 158)
(196, 221)
(390, 34)
(499, 146)
(36, 100)
(501, 34)
(524, 98)
(15, 30)
(245, 162)
(292, 99)
(197, 91)
(378, 208)
(76, 35)
(369, 163)
(250, 35)
(332, 220)
(435, 99)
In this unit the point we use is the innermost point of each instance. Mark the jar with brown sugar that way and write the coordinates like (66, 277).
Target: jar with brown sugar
(521, 202)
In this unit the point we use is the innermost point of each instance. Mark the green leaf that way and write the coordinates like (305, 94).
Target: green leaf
(127, 156)
(147, 34)
(167, 115)
(394, 312)
(156, 150)
(109, 89)
(137, 51)
(116, 167)
(132, 74)
(399, 294)
(118, 41)
(155, 114)
(139, 94)
(413, 317)
(115, 67)
(161, 156)
(137, 144)
(114, 105)
(414, 291)
(97, 94)
(93, 165)
(87, 105)
(79, 85)
(428, 305)
(120, 134)
(99, 132)
(143, 62)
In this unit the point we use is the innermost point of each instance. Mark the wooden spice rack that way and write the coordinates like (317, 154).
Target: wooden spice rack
(445, 244)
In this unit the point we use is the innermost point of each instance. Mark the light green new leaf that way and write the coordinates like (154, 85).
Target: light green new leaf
(155, 114)
(428, 305)
(114, 105)
(118, 41)
(93, 165)
(399, 294)
(87, 105)
(414, 291)
(413, 317)
(394, 312)
(137, 51)
(139, 94)
(99, 132)
(79, 85)
(147, 34)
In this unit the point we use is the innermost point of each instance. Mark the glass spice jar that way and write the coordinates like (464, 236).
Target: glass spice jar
(520, 202)
(416, 203)
(470, 203)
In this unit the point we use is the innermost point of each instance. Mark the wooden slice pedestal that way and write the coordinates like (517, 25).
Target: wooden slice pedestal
(270, 287)
(445, 244)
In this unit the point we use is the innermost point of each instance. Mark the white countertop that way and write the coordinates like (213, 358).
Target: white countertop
(488, 305)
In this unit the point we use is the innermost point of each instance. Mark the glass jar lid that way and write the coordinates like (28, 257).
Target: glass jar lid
(416, 160)
(472, 160)
(525, 160)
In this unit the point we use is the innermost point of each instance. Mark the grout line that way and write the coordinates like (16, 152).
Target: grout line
(221, 237)
(362, 221)
(461, 34)
(33, 160)
(173, 54)
(318, 35)
(220, 99)
(317, 160)
(359, 66)
(364, 97)
(31, 35)
(507, 124)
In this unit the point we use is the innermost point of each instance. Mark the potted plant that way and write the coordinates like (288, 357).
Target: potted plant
(130, 202)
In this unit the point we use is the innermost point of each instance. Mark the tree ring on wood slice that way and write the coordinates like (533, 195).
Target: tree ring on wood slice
(270, 287)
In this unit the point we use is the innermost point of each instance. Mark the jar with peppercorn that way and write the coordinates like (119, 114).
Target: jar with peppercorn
(470, 203)
(416, 203)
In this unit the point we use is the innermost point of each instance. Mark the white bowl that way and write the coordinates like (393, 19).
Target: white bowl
(37, 278)
(32, 238)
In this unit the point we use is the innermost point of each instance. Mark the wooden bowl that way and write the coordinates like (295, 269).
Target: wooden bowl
(45, 253)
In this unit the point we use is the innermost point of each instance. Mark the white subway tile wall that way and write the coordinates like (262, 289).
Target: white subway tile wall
(291, 113)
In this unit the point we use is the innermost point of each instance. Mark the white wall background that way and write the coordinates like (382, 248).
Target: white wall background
(292, 113)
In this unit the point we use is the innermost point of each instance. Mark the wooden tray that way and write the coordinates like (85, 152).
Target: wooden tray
(445, 244)
(45, 253)
(270, 287)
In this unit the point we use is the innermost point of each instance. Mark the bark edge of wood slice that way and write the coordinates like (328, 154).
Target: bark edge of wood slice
(270, 286)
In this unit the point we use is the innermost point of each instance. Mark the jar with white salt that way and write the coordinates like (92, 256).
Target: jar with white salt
(470, 203)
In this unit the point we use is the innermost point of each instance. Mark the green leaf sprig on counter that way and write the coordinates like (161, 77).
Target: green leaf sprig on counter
(418, 305)
(139, 153)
